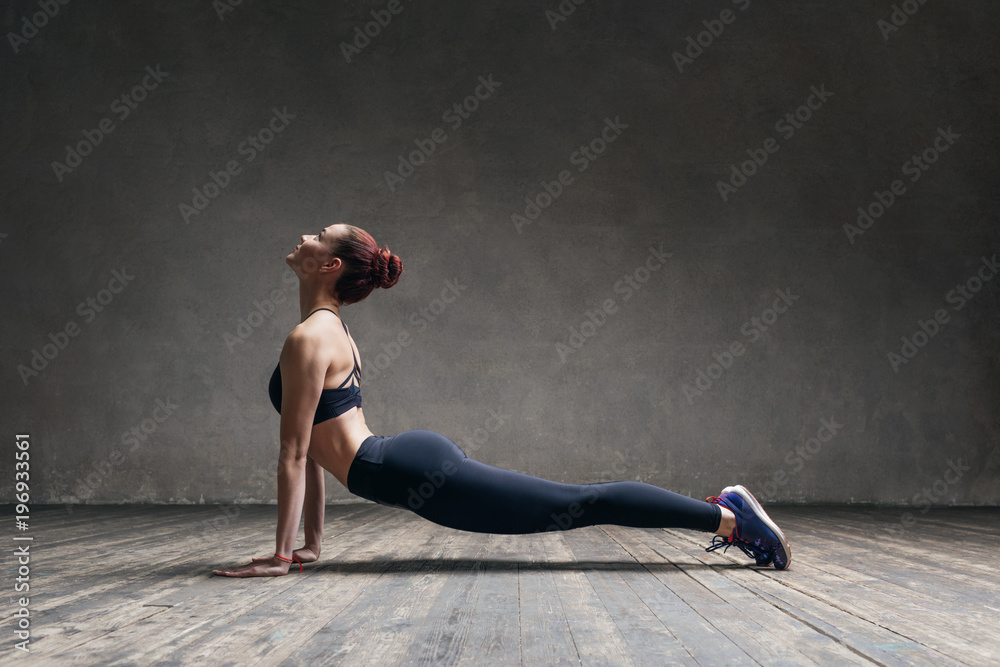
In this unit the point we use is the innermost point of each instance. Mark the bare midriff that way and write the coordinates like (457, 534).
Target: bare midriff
(334, 442)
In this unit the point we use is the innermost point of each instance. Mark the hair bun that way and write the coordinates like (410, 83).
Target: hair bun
(386, 268)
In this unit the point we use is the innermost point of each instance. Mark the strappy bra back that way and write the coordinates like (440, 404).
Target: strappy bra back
(332, 402)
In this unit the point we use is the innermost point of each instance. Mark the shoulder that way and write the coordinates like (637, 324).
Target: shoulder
(305, 340)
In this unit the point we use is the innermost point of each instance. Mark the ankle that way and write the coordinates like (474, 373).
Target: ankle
(727, 523)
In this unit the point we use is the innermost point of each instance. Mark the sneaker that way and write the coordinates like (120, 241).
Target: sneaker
(762, 559)
(746, 495)
(755, 534)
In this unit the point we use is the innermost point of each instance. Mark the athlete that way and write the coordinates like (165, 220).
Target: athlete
(316, 388)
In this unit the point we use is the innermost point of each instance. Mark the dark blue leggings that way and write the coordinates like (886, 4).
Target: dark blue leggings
(428, 474)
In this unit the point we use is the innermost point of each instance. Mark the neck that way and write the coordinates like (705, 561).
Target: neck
(313, 296)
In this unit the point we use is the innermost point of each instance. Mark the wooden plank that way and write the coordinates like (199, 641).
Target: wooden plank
(615, 578)
(918, 541)
(862, 636)
(881, 645)
(495, 633)
(106, 528)
(706, 643)
(545, 636)
(780, 636)
(167, 557)
(387, 622)
(394, 589)
(951, 584)
(866, 600)
(597, 639)
(222, 617)
(447, 622)
(81, 615)
(76, 602)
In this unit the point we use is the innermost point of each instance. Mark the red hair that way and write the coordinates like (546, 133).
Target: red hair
(366, 265)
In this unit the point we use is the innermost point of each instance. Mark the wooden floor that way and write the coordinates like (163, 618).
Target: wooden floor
(133, 585)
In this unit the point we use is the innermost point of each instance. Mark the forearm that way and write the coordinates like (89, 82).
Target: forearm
(315, 505)
(291, 494)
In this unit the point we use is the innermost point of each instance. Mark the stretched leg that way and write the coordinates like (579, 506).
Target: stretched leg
(427, 473)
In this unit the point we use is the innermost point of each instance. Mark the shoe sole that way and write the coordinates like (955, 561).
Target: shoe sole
(743, 493)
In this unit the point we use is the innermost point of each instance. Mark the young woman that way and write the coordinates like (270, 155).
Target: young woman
(316, 388)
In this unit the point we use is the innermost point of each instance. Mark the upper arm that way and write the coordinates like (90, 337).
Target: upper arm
(303, 371)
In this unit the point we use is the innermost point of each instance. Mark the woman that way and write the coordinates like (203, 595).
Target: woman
(316, 388)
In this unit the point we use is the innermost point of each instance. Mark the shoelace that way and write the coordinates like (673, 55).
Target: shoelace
(734, 540)
(747, 548)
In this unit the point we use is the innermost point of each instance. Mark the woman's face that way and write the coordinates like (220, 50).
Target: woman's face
(312, 252)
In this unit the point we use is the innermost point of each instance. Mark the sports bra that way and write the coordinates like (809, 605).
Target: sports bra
(332, 402)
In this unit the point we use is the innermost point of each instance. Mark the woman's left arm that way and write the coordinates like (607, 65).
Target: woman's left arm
(302, 375)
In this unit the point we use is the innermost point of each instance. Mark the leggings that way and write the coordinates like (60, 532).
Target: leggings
(428, 474)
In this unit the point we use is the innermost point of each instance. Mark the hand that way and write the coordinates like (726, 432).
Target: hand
(261, 567)
(305, 555)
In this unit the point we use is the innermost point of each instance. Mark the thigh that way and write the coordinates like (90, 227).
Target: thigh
(427, 473)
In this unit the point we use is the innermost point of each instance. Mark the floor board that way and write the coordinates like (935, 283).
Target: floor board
(126, 585)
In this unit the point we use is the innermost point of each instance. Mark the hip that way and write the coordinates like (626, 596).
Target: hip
(383, 464)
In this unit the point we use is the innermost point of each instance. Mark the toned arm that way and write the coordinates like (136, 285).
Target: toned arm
(303, 371)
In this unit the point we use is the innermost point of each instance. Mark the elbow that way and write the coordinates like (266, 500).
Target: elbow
(292, 460)
(293, 455)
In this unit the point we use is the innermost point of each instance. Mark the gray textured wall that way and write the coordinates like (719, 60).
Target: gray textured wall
(812, 409)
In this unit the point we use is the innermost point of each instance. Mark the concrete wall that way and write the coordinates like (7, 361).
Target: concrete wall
(542, 357)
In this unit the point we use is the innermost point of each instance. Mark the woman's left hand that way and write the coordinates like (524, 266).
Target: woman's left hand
(269, 567)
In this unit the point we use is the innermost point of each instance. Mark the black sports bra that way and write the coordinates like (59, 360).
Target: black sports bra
(332, 402)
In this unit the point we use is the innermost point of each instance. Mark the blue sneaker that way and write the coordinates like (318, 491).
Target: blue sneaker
(763, 559)
(756, 534)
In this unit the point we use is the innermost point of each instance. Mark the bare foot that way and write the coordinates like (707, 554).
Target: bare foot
(307, 554)
(260, 567)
